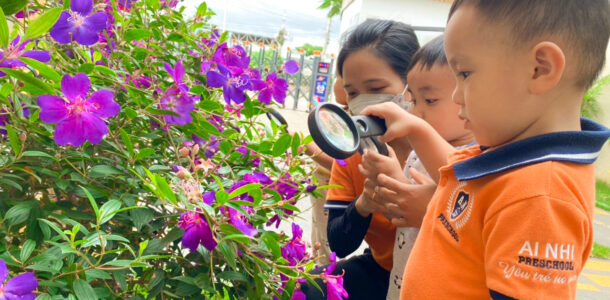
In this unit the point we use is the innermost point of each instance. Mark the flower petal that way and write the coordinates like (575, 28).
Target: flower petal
(82, 7)
(42, 56)
(94, 128)
(75, 86)
(21, 284)
(62, 28)
(3, 271)
(291, 67)
(70, 131)
(237, 94)
(85, 36)
(179, 72)
(30, 296)
(52, 109)
(265, 96)
(96, 22)
(215, 79)
(102, 104)
(191, 238)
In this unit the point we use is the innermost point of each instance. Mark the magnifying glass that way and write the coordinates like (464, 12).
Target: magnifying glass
(277, 118)
(340, 135)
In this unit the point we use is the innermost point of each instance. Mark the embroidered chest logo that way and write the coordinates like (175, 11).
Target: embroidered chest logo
(459, 205)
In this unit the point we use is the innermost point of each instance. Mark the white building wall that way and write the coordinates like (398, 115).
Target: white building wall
(414, 12)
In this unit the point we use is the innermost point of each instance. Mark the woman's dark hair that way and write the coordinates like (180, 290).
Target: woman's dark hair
(392, 41)
(430, 54)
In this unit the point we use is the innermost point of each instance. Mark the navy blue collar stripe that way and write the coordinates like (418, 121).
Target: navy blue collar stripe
(582, 147)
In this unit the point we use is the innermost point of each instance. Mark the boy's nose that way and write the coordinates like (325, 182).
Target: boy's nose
(458, 96)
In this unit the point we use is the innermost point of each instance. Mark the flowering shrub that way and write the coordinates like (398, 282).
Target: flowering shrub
(134, 164)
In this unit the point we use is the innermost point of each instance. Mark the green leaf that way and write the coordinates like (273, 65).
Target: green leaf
(165, 188)
(13, 139)
(3, 29)
(43, 68)
(281, 145)
(105, 70)
(202, 9)
(92, 202)
(97, 274)
(232, 276)
(26, 250)
(27, 78)
(244, 189)
(11, 7)
(42, 24)
(126, 141)
(144, 153)
(11, 183)
(142, 246)
(57, 229)
(83, 290)
(134, 34)
(37, 154)
(44, 297)
(270, 240)
(108, 210)
(100, 171)
(119, 263)
(19, 213)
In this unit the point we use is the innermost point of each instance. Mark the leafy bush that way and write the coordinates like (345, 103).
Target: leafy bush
(133, 163)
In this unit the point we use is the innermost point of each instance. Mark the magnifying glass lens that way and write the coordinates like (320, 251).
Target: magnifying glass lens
(336, 130)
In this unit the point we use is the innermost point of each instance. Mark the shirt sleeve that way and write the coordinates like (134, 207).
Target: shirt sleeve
(535, 248)
(346, 229)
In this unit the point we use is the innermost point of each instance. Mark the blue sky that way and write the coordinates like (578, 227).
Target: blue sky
(304, 22)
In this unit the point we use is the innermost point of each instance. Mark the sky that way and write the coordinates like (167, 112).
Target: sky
(304, 22)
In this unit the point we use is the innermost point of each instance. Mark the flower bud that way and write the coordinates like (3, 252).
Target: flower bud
(184, 151)
(23, 137)
(196, 148)
(182, 174)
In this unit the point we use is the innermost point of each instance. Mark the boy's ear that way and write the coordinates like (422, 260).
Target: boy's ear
(548, 67)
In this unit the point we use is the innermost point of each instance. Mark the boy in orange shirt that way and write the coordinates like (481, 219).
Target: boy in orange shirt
(512, 216)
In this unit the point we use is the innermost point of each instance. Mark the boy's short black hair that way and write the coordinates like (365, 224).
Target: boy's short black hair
(582, 25)
(392, 41)
(430, 54)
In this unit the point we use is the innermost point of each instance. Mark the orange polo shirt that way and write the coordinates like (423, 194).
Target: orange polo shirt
(380, 235)
(513, 222)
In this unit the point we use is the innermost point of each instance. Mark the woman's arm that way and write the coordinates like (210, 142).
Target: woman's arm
(346, 229)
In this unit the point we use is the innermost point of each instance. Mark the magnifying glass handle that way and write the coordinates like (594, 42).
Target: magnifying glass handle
(369, 125)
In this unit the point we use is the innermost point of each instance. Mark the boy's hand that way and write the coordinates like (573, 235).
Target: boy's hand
(407, 202)
(374, 163)
(399, 123)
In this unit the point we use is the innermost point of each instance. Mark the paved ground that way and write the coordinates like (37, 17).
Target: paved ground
(594, 282)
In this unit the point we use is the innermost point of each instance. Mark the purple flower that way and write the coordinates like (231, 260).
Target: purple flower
(78, 118)
(125, 4)
(177, 73)
(10, 57)
(173, 100)
(196, 231)
(139, 81)
(19, 287)
(209, 198)
(298, 295)
(291, 67)
(79, 24)
(334, 283)
(21, 14)
(240, 221)
(212, 40)
(234, 57)
(295, 250)
(169, 3)
(232, 86)
(273, 87)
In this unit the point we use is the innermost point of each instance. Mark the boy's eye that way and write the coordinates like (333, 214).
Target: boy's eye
(377, 89)
(431, 101)
(464, 74)
(413, 101)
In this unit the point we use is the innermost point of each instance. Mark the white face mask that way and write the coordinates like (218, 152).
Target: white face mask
(358, 104)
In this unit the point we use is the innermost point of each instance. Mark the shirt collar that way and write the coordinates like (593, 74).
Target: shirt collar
(582, 147)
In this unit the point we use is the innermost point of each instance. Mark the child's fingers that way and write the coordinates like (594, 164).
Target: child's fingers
(420, 177)
(367, 172)
(386, 193)
(391, 183)
(378, 110)
(400, 222)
